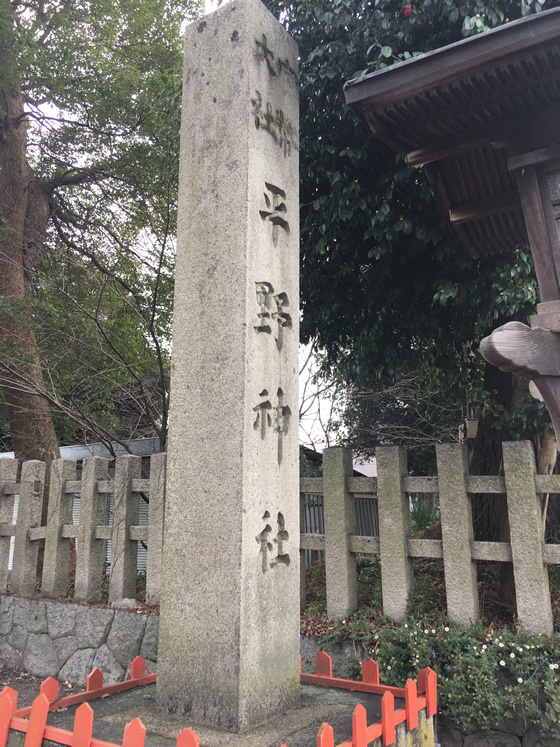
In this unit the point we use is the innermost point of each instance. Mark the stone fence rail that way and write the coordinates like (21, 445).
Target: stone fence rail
(339, 540)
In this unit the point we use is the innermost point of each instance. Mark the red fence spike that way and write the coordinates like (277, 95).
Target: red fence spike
(188, 738)
(325, 736)
(50, 688)
(134, 734)
(431, 693)
(422, 681)
(83, 726)
(94, 680)
(411, 705)
(370, 672)
(137, 668)
(7, 706)
(388, 719)
(359, 727)
(323, 665)
(37, 721)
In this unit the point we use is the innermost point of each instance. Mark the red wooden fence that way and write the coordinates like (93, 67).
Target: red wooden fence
(32, 721)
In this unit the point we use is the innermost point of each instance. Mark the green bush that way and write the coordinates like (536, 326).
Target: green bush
(484, 675)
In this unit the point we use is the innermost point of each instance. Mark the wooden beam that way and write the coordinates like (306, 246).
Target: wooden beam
(497, 135)
(535, 157)
(469, 211)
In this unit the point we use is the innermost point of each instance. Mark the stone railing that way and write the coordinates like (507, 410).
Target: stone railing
(458, 549)
(96, 490)
(390, 491)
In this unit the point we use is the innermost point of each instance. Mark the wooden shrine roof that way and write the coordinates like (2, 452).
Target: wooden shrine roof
(471, 112)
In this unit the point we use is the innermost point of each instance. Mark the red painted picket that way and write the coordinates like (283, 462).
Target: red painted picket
(188, 738)
(37, 721)
(36, 729)
(134, 734)
(83, 726)
(325, 736)
(94, 680)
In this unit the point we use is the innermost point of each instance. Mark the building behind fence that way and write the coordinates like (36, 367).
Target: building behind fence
(342, 516)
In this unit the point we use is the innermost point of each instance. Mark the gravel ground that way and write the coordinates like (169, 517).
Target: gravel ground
(27, 685)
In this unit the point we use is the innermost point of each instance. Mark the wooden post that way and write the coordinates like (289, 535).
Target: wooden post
(155, 527)
(394, 528)
(457, 534)
(57, 547)
(525, 523)
(93, 511)
(124, 551)
(8, 476)
(24, 565)
(340, 563)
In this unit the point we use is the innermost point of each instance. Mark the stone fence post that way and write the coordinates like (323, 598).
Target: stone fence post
(155, 527)
(90, 552)
(126, 509)
(24, 567)
(457, 534)
(57, 547)
(340, 563)
(526, 529)
(394, 529)
(8, 476)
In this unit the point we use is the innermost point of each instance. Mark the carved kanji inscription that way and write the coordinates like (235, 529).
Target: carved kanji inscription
(276, 209)
(273, 542)
(274, 314)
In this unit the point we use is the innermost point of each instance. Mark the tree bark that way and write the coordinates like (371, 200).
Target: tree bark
(23, 221)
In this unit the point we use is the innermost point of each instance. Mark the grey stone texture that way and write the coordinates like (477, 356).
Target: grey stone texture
(6, 614)
(457, 533)
(526, 529)
(10, 655)
(125, 638)
(39, 657)
(65, 647)
(92, 626)
(8, 477)
(57, 548)
(90, 552)
(534, 738)
(18, 637)
(61, 619)
(78, 666)
(394, 528)
(30, 504)
(108, 664)
(155, 527)
(149, 648)
(126, 507)
(30, 614)
(340, 563)
(229, 627)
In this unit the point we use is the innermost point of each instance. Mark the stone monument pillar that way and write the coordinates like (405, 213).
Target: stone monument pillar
(229, 623)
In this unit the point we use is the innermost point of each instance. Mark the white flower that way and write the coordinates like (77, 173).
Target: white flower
(405, 625)
(519, 680)
(556, 666)
(344, 622)
(388, 667)
(433, 631)
(501, 645)
(512, 655)
(484, 646)
(502, 663)
(520, 649)
(426, 632)
(551, 666)
(446, 629)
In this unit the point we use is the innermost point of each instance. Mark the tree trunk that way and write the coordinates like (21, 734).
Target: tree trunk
(23, 220)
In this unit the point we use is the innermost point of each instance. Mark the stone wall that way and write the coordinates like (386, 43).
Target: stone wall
(67, 641)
